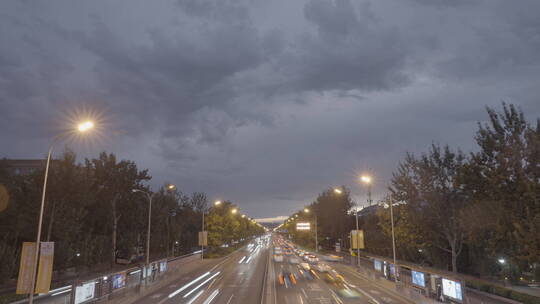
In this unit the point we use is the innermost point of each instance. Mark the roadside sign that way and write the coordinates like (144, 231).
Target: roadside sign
(203, 238)
(46, 257)
(26, 268)
(357, 239)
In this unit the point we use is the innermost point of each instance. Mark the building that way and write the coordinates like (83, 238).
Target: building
(23, 166)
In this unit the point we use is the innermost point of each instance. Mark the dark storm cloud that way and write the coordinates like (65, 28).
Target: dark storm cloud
(266, 102)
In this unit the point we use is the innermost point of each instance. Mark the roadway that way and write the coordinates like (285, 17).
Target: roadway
(239, 278)
(320, 291)
(251, 276)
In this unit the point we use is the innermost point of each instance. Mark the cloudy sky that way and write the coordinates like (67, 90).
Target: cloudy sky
(265, 103)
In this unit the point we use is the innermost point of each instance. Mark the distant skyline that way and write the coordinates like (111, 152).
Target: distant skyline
(263, 103)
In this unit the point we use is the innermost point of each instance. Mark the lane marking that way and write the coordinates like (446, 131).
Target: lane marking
(305, 294)
(241, 260)
(200, 285)
(195, 297)
(188, 284)
(230, 299)
(211, 297)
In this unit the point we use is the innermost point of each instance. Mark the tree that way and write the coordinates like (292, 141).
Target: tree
(430, 188)
(113, 183)
(504, 176)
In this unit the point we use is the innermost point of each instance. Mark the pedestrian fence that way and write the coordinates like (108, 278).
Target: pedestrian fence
(114, 285)
(419, 284)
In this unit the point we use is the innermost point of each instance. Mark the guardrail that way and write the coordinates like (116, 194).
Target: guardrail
(113, 285)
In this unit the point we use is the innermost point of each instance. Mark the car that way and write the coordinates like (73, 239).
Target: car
(333, 258)
(294, 260)
(305, 266)
(286, 278)
(278, 258)
(322, 267)
(312, 259)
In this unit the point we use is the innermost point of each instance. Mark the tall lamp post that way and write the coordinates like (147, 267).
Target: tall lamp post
(306, 210)
(216, 203)
(393, 240)
(366, 179)
(81, 128)
(150, 197)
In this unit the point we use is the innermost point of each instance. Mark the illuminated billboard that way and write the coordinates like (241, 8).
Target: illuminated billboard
(418, 278)
(303, 226)
(452, 289)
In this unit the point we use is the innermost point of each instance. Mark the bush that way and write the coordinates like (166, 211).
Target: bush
(502, 291)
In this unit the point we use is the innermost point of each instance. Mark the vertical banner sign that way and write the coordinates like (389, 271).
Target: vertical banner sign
(203, 238)
(357, 239)
(26, 268)
(46, 256)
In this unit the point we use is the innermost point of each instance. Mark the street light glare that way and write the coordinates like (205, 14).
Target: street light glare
(171, 187)
(365, 179)
(85, 126)
(234, 211)
(338, 191)
(217, 203)
(306, 210)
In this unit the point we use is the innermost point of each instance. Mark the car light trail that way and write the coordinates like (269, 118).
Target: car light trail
(249, 259)
(241, 260)
(134, 272)
(195, 297)
(200, 285)
(211, 297)
(189, 284)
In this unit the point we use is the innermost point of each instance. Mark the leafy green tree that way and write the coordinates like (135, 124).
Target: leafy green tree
(434, 200)
(113, 182)
(503, 178)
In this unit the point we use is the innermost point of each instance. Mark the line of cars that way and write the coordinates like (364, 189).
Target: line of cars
(310, 268)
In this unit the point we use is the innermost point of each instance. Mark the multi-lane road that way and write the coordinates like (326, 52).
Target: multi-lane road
(251, 276)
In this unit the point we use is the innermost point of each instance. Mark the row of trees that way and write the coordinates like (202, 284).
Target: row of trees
(94, 217)
(478, 213)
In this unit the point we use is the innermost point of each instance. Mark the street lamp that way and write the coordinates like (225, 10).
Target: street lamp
(234, 211)
(150, 197)
(366, 179)
(306, 210)
(338, 191)
(83, 127)
(217, 203)
(243, 215)
(501, 261)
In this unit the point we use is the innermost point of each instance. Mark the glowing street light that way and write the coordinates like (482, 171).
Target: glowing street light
(81, 128)
(243, 215)
(306, 210)
(366, 179)
(338, 191)
(85, 126)
(234, 211)
(217, 203)
(501, 261)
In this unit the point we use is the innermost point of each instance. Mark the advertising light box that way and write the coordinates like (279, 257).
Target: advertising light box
(418, 278)
(452, 289)
(85, 292)
(377, 264)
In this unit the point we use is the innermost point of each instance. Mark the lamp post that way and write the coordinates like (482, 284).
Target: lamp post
(81, 128)
(393, 240)
(306, 210)
(366, 179)
(150, 197)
